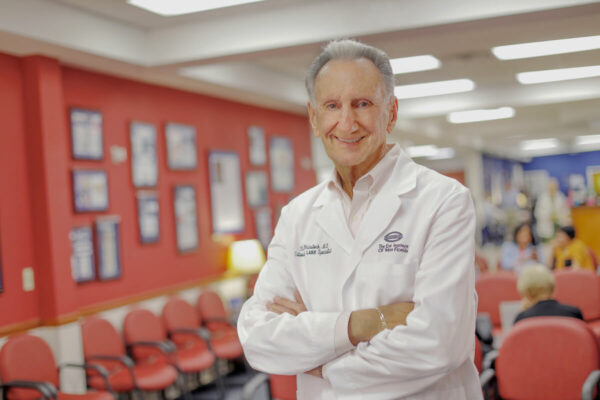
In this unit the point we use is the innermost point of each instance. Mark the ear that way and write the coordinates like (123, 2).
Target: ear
(393, 116)
(312, 118)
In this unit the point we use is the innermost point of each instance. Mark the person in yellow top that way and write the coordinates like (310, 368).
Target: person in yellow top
(570, 251)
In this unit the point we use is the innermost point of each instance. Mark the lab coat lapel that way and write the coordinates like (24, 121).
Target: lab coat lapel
(331, 219)
(387, 202)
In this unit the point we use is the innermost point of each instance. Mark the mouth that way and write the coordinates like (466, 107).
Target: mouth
(349, 141)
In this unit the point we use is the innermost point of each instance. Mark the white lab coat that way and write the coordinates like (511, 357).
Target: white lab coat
(432, 265)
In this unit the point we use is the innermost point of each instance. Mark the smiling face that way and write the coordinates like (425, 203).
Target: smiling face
(351, 114)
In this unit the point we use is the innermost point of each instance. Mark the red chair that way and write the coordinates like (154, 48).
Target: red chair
(103, 346)
(545, 358)
(146, 336)
(28, 369)
(580, 288)
(478, 360)
(224, 339)
(492, 289)
(183, 327)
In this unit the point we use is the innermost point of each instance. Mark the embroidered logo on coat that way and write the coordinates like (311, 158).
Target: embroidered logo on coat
(393, 237)
(391, 246)
(317, 249)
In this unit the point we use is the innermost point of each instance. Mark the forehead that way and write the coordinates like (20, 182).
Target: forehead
(358, 77)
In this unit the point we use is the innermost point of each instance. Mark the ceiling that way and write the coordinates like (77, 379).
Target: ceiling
(257, 53)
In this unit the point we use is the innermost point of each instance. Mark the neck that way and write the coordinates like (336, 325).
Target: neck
(349, 175)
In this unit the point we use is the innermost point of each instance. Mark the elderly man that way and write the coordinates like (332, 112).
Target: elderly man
(368, 290)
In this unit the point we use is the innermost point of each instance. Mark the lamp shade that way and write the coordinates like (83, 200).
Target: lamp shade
(245, 256)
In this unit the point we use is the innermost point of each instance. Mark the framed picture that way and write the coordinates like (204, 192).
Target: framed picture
(264, 227)
(186, 220)
(90, 190)
(256, 188)
(181, 146)
(281, 157)
(257, 146)
(82, 254)
(144, 167)
(148, 216)
(225, 192)
(86, 134)
(108, 247)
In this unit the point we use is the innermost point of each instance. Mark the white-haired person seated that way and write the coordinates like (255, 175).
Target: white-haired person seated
(536, 285)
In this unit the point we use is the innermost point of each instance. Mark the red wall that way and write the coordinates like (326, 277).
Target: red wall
(220, 125)
(16, 235)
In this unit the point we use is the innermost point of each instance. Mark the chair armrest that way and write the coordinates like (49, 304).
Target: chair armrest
(200, 332)
(166, 346)
(489, 359)
(126, 361)
(487, 380)
(592, 382)
(45, 388)
(98, 368)
(251, 386)
(123, 359)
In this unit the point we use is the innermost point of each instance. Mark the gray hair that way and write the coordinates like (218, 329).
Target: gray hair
(536, 280)
(347, 49)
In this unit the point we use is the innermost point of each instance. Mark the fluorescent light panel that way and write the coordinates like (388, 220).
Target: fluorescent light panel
(412, 64)
(434, 88)
(170, 8)
(443, 154)
(545, 48)
(587, 139)
(430, 151)
(562, 74)
(538, 144)
(462, 117)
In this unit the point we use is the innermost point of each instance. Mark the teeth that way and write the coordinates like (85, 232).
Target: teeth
(348, 140)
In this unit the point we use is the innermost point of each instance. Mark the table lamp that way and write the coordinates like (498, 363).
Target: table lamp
(245, 256)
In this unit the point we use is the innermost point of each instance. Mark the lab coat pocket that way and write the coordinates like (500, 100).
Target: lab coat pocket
(381, 283)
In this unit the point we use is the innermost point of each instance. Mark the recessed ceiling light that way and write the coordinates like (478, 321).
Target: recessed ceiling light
(462, 117)
(412, 64)
(434, 88)
(427, 150)
(443, 154)
(587, 139)
(170, 8)
(538, 144)
(545, 48)
(562, 74)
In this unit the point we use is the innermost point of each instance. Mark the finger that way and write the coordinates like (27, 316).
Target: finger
(279, 309)
(298, 297)
(288, 304)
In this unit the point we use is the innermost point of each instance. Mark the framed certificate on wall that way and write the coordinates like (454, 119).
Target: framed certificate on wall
(181, 146)
(90, 190)
(226, 192)
(257, 188)
(257, 145)
(148, 216)
(86, 134)
(108, 247)
(281, 157)
(144, 167)
(186, 219)
(82, 254)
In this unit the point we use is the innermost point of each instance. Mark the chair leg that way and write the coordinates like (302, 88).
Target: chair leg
(219, 382)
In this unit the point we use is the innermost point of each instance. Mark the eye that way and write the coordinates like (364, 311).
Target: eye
(330, 106)
(363, 103)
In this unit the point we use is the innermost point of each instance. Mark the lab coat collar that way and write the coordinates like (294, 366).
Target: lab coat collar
(381, 211)
(387, 202)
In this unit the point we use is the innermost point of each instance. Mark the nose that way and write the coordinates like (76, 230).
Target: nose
(347, 122)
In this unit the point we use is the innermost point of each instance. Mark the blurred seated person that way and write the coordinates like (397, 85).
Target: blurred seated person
(522, 251)
(536, 285)
(569, 251)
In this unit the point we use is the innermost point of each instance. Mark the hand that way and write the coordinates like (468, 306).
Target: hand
(281, 305)
(317, 372)
(365, 324)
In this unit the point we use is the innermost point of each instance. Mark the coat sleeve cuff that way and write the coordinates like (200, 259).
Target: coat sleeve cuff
(341, 340)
